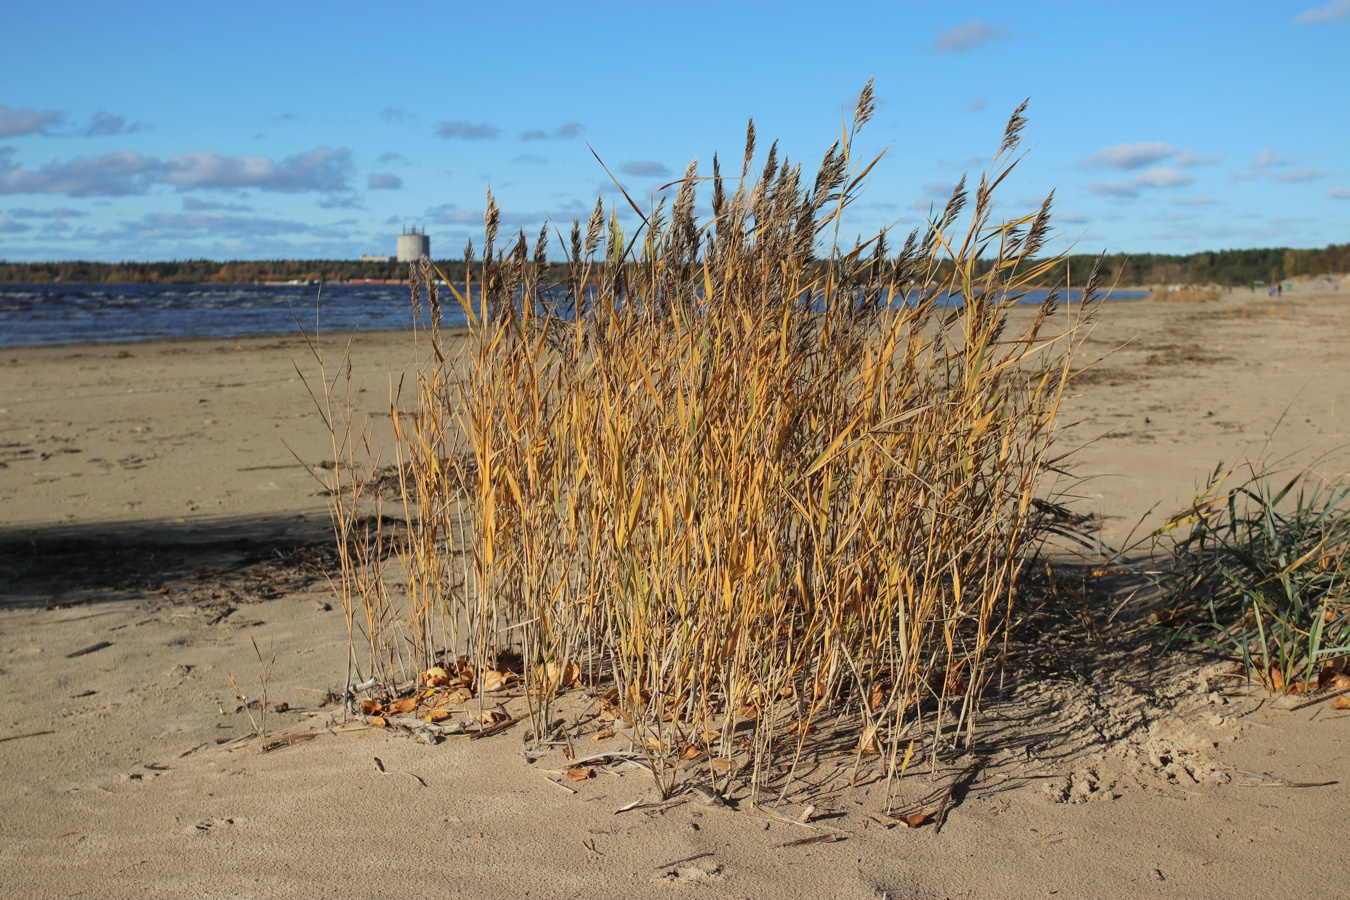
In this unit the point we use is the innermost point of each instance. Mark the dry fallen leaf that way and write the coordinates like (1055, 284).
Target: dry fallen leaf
(801, 728)
(690, 752)
(436, 715)
(568, 675)
(603, 735)
(746, 711)
(435, 677)
(654, 744)
(371, 707)
(914, 820)
(458, 695)
(1340, 682)
(404, 706)
(492, 716)
(867, 743)
(1341, 703)
(496, 681)
(875, 697)
(378, 721)
(1276, 679)
(580, 773)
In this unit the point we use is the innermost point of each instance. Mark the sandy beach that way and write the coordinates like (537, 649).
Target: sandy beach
(155, 524)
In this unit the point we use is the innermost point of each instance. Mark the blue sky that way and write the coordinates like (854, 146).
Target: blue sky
(143, 131)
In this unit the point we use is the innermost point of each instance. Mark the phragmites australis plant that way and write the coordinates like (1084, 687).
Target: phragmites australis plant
(745, 486)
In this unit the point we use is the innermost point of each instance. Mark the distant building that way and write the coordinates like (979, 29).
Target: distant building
(376, 257)
(413, 245)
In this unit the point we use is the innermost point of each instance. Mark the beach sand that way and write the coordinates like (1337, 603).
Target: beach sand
(153, 514)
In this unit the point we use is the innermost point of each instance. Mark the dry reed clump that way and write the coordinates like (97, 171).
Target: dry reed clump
(739, 490)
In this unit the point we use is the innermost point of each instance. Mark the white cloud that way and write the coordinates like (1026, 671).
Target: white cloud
(1131, 156)
(563, 132)
(1339, 193)
(114, 174)
(17, 122)
(645, 168)
(123, 172)
(1295, 176)
(467, 131)
(1189, 158)
(1270, 157)
(1335, 11)
(968, 36)
(9, 226)
(320, 169)
(378, 181)
(104, 124)
(1162, 177)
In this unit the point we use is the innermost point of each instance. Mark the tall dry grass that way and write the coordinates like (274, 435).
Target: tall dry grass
(750, 487)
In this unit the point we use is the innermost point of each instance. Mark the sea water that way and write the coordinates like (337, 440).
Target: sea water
(116, 313)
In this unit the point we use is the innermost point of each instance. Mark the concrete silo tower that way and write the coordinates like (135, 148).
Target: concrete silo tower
(413, 245)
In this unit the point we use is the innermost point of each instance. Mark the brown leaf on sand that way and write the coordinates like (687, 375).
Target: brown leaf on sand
(690, 752)
(496, 681)
(654, 744)
(458, 695)
(1340, 682)
(747, 711)
(436, 715)
(378, 721)
(492, 716)
(914, 820)
(876, 696)
(435, 677)
(404, 706)
(580, 773)
(371, 707)
(603, 735)
(1276, 679)
(867, 743)
(1341, 703)
(568, 675)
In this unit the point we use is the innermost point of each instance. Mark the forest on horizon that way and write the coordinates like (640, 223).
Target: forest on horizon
(1221, 267)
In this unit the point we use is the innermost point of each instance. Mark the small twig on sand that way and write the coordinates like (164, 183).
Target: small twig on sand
(92, 648)
(828, 837)
(379, 765)
(1268, 780)
(18, 737)
(1316, 700)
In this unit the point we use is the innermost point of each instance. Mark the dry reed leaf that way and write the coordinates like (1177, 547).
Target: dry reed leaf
(404, 706)
(603, 735)
(1341, 703)
(875, 697)
(371, 707)
(436, 715)
(458, 695)
(435, 677)
(654, 744)
(378, 722)
(747, 711)
(709, 736)
(1340, 682)
(492, 717)
(1276, 679)
(801, 728)
(690, 752)
(580, 773)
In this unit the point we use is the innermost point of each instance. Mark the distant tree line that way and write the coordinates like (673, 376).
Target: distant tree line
(1222, 267)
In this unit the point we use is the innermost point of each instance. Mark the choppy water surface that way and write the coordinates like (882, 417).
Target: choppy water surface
(115, 313)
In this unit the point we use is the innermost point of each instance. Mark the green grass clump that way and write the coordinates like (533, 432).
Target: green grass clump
(1263, 573)
(742, 482)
